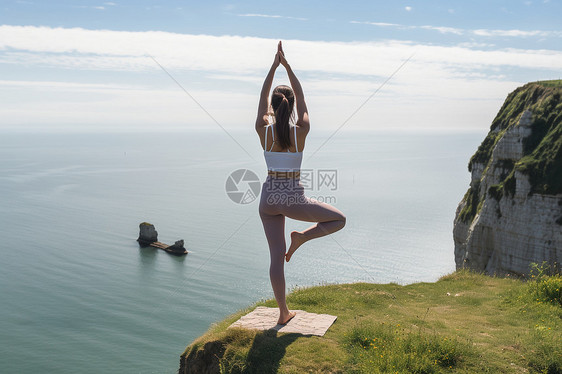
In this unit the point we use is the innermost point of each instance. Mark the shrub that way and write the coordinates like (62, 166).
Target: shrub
(386, 348)
(545, 285)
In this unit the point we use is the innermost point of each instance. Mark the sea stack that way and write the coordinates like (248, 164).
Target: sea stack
(148, 237)
(177, 247)
(148, 234)
(511, 216)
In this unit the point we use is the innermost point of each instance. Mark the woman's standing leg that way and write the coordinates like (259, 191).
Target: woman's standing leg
(274, 226)
(329, 219)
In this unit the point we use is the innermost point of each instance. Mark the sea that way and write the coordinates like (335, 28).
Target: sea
(78, 294)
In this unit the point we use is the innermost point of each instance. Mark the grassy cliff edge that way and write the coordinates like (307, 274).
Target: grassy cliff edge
(465, 322)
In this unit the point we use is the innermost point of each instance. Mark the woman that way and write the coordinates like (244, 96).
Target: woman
(282, 194)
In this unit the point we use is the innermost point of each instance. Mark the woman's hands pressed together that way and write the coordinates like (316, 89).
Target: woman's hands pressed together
(280, 57)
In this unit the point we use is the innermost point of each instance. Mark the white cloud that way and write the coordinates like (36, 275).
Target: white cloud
(476, 45)
(443, 30)
(515, 33)
(78, 48)
(237, 77)
(69, 86)
(99, 7)
(478, 32)
(259, 15)
(104, 106)
(127, 51)
(381, 24)
(408, 8)
(337, 77)
(271, 16)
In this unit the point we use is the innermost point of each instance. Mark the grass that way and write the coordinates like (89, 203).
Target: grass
(463, 323)
(551, 83)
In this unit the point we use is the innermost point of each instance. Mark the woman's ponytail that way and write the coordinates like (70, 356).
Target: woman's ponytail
(282, 116)
(282, 101)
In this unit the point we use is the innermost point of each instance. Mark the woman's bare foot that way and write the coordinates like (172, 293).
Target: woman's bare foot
(297, 239)
(283, 320)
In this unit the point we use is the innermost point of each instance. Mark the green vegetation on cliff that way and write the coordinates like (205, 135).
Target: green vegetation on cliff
(464, 323)
(542, 150)
(472, 206)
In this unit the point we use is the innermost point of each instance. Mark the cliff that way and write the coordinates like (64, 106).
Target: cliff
(463, 323)
(511, 215)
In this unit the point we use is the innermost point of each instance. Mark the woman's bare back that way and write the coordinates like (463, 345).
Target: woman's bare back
(301, 138)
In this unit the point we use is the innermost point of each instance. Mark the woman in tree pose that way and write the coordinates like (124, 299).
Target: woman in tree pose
(282, 194)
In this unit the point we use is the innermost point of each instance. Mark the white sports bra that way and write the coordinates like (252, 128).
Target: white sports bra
(282, 161)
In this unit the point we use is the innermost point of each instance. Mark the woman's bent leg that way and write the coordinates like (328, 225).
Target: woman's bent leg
(329, 219)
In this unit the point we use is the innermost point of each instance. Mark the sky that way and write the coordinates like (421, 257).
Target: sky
(170, 65)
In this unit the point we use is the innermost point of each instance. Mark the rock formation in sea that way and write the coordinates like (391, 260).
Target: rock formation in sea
(177, 247)
(511, 216)
(147, 234)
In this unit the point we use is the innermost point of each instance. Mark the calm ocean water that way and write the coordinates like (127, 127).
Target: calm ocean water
(78, 294)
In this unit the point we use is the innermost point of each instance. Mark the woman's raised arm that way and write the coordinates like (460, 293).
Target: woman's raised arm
(263, 105)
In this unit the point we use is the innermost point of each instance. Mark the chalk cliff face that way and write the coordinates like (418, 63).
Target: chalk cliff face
(512, 213)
